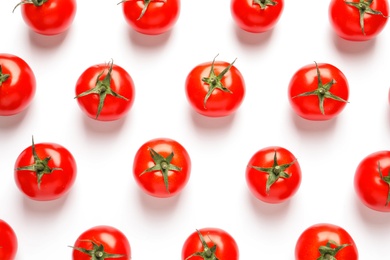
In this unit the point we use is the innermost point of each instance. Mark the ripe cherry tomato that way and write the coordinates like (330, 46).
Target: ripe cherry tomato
(162, 167)
(358, 20)
(318, 91)
(210, 243)
(100, 243)
(105, 92)
(372, 181)
(45, 171)
(256, 16)
(151, 16)
(325, 241)
(273, 174)
(8, 241)
(48, 17)
(215, 89)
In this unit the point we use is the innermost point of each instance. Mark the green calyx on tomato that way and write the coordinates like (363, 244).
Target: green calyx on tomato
(102, 88)
(328, 252)
(40, 167)
(97, 252)
(364, 8)
(3, 77)
(214, 81)
(322, 92)
(275, 172)
(146, 5)
(387, 180)
(264, 3)
(34, 2)
(208, 253)
(162, 164)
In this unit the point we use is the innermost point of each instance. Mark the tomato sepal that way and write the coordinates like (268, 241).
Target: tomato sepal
(264, 3)
(387, 180)
(37, 3)
(208, 253)
(97, 252)
(3, 77)
(328, 252)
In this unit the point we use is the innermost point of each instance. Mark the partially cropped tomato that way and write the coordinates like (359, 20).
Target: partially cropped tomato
(318, 91)
(372, 181)
(48, 17)
(151, 16)
(105, 92)
(256, 16)
(358, 20)
(100, 243)
(273, 174)
(17, 85)
(325, 241)
(210, 243)
(215, 89)
(8, 241)
(45, 171)
(162, 167)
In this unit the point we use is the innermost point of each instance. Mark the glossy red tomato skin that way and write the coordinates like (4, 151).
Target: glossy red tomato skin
(51, 18)
(152, 182)
(113, 240)
(8, 241)
(54, 185)
(227, 247)
(160, 17)
(318, 235)
(250, 17)
(18, 91)
(220, 104)
(284, 188)
(344, 20)
(305, 79)
(114, 108)
(371, 190)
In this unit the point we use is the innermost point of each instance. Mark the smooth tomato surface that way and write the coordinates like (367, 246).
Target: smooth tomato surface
(345, 19)
(148, 169)
(51, 17)
(17, 85)
(273, 174)
(305, 80)
(250, 17)
(159, 16)
(107, 241)
(52, 185)
(226, 246)
(372, 181)
(112, 78)
(317, 236)
(8, 241)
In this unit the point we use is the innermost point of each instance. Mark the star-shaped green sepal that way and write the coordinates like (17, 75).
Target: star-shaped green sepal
(3, 77)
(364, 8)
(275, 172)
(162, 164)
(264, 3)
(328, 252)
(387, 180)
(40, 166)
(208, 253)
(214, 81)
(102, 88)
(97, 252)
(322, 91)
(146, 5)
(34, 2)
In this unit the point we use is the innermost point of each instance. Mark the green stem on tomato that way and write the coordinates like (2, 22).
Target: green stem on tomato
(3, 77)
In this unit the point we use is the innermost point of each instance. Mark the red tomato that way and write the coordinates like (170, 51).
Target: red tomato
(318, 91)
(151, 16)
(256, 16)
(162, 167)
(210, 243)
(324, 241)
(105, 92)
(101, 242)
(48, 17)
(8, 241)
(45, 171)
(273, 174)
(372, 181)
(358, 20)
(215, 89)
(17, 85)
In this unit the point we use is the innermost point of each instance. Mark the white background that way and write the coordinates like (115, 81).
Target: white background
(220, 148)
